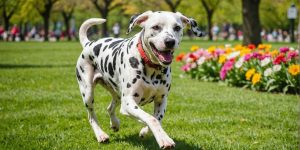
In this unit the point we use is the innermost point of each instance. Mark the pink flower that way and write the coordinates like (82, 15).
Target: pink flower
(292, 54)
(225, 68)
(247, 57)
(262, 57)
(284, 49)
(223, 74)
(218, 52)
(186, 67)
(256, 55)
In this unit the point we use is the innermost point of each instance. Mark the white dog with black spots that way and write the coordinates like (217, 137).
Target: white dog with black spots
(136, 71)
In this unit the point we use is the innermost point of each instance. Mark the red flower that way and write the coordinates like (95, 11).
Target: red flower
(279, 59)
(180, 57)
(251, 46)
(193, 57)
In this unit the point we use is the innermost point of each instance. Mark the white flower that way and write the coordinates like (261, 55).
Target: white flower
(189, 60)
(291, 48)
(193, 65)
(265, 61)
(227, 45)
(239, 63)
(268, 72)
(201, 60)
(276, 68)
(233, 55)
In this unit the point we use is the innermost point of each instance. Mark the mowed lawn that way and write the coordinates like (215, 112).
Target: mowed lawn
(41, 107)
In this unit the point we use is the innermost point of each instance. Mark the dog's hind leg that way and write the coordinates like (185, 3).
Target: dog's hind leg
(86, 79)
(114, 121)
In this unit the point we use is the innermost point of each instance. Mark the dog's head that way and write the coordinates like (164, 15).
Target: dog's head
(162, 33)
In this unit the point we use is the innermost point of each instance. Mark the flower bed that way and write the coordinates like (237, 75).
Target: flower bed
(259, 68)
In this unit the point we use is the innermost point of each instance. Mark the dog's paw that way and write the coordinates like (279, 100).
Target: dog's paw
(166, 143)
(103, 138)
(144, 131)
(115, 124)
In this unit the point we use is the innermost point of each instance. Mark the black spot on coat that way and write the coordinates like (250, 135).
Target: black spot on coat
(114, 43)
(136, 95)
(105, 48)
(96, 49)
(134, 80)
(78, 76)
(112, 82)
(81, 69)
(114, 61)
(122, 55)
(128, 85)
(91, 43)
(110, 70)
(133, 62)
(105, 63)
(107, 40)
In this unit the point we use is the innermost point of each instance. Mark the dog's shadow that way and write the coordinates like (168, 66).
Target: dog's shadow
(150, 143)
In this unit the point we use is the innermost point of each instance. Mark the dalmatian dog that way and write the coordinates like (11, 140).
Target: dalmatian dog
(135, 71)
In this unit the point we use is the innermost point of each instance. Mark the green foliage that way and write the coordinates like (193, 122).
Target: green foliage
(273, 14)
(41, 108)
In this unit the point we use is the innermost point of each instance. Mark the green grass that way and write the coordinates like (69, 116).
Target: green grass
(41, 108)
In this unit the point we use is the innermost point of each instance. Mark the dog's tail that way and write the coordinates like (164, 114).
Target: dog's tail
(85, 26)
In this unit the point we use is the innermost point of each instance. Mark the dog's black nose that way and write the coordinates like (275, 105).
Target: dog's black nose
(169, 43)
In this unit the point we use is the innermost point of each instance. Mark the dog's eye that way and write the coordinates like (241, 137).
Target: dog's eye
(156, 27)
(177, 28)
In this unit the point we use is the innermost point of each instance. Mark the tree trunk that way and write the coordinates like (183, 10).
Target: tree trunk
(104, 25)
(67, 24)
(251, 22)
(6, 23)
(46, 27)
(209, 24)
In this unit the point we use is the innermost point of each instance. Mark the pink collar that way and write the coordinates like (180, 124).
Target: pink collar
(144, 56)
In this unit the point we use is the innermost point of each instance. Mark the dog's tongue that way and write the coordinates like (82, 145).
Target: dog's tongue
(165, 57)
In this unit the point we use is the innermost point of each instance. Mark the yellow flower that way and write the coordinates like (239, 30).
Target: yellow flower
(268, 47)
(211, 49)
(222, 59)
(274, 52)
(238, 47)
(261, 46)
(249, 73)
(256, 78)
(245, 51)
(194, 48)
(294, 69)
(228, 50)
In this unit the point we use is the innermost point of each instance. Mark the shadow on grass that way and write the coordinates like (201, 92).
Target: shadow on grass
(24, 66)
(150, 143)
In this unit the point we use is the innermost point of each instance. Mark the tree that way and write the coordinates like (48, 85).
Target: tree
(173, 5)
(251, 22)
(210, 7)
(104, 7)
(66, 7)
(45, 12)
(8, 7)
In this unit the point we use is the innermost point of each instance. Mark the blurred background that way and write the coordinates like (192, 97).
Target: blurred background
(59, 20)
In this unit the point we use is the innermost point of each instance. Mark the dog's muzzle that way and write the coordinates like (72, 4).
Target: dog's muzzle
(164, 56)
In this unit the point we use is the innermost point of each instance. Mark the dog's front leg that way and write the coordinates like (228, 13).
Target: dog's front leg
(159, 112)
(130, 107)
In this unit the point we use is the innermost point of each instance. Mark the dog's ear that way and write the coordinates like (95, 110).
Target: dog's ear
(192, 23)
(138, 19)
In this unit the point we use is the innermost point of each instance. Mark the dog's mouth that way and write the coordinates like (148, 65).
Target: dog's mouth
(165, 56)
